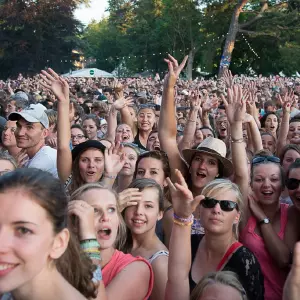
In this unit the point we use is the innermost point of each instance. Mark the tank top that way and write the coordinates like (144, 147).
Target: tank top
(274, 277)
(118, 262)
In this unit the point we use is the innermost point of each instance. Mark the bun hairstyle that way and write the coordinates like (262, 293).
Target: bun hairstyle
(49, 193)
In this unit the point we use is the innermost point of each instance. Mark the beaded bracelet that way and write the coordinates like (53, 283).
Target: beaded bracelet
(183, 220)
(241, 140)
(110, 176)
(91, 248)
(182, 223)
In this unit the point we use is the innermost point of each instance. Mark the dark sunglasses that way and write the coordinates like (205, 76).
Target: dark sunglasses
(226, 205)
(261, 159)
(292, 183)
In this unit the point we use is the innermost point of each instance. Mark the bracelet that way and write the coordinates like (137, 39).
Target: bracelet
(241, 140)
(183, 220)
(110, 176)
(182, 223)
(97, 275)
(192, 121)
(91, 248)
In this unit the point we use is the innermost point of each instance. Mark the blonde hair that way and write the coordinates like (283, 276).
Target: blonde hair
(224, 277)
(224, 185)
(121, 236)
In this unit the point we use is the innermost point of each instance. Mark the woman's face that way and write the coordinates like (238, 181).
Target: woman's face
(217, 291)
(28, 242)
(289, 157)
(268, 142)
(124, 134)
(8, 134)
(204, 168)
(146, 119)
(153, 142)
(142, 217)
(222, 127)
(130, 162)
(206, 133)
(106, 218)
(6, 166)
(295, 194)
(152, 168)
(91, 129)
(271, 124)
(294, 131)
(266, 183)
(77, 136)
(91, 165)
(215, 220)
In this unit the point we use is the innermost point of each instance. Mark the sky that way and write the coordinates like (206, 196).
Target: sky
(96, 11)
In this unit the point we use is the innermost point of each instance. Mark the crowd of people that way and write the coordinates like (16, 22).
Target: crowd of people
(150, 188)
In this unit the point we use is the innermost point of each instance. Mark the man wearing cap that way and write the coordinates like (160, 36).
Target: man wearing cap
(32, 129)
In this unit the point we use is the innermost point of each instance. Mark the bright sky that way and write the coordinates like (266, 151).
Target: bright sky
(95, 12)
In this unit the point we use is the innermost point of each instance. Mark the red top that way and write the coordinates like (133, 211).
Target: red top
(118, 262)
(273, 275)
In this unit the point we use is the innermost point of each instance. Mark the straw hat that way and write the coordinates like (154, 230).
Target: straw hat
(214, 147)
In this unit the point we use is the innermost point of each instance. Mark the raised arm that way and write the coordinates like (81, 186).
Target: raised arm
(112, 124)
(254, 134)
(235, 106)
(190, 127)
(286, 104)
(60, 89)
(178, 287)
(167, 122)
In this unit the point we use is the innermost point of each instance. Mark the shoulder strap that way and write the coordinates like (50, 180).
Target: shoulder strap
(228, 254)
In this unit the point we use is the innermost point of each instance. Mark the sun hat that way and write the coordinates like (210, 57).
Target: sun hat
(86, 145)
(35, 113)
(214, 147)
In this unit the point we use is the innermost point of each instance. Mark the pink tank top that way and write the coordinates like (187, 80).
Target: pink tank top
(274, 277)
(118, 262)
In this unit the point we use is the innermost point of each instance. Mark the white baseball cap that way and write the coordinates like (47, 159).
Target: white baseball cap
(35, 113)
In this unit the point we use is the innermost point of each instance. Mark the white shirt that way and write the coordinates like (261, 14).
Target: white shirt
(44, 159)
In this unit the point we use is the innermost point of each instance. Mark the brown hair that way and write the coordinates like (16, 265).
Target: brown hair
(49, 193)
(288, 147)
(76, 195)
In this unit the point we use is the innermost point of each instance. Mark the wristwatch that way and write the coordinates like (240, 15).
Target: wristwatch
(264, 221)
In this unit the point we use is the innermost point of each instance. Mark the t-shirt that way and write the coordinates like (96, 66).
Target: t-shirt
(44, 159)
(118, 262)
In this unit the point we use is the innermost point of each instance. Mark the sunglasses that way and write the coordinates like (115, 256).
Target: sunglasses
(292, 183)
(261, 159)
(226, 205)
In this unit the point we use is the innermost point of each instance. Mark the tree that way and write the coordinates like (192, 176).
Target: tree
(36, 34)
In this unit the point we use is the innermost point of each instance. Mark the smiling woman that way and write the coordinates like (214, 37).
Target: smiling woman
(36, 248)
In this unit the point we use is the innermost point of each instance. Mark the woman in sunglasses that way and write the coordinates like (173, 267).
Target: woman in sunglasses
(293, 184)
(190, 260)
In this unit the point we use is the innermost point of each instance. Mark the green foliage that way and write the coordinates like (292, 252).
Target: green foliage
(140, 33)
(36, 34)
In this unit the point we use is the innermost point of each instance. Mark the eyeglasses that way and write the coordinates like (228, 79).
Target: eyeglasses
(226, 205)
(4, 172)
(292, 183)
(260, 159)
(78, 137)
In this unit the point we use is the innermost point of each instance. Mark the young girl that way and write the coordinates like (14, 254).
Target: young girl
(37, 252)
(141, 220)
(125, 277)
(91, 124)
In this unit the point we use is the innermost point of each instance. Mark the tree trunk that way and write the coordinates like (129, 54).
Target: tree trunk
(231, 37)
(190, 63)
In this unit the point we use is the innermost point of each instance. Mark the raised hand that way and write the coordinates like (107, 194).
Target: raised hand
(85, 214)
(183, 200)
(58, 85)
(228, 78)
(235, 104)
(195, 100)
(174, 70)
(129, 197)
(122, 102)
(209, 104)
(114, 160)
(287, 101)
